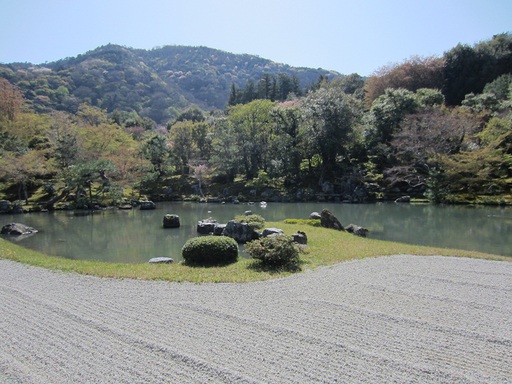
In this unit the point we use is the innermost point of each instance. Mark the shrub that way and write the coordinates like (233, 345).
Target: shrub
(312, 222)
(253, 221)
(210, 250)
(274, 251)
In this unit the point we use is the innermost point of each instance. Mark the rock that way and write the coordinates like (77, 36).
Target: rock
(271, 231)
(17, 229)
(219, 228)
(5, 206)
(207, 226)
(18, 209)
(248, 213)
(357, 230)
(161, 260)
(125, 206)
(147, 205)
(403, 199)
(314, 215)
(328, 220)
(300, 238)
(171, 221)
(241, 232)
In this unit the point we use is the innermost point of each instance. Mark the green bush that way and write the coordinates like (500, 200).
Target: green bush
(210, 250)
(274, 251)
(312, 222)
(253, 221)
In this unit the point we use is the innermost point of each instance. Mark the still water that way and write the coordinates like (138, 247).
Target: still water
(136, 236)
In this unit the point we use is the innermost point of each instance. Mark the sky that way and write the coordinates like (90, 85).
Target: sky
(355, 36)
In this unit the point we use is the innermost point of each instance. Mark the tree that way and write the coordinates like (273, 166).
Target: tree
(286, 85)
(226, 157)
(82, 177)
(91, 116)
(193, 114)
(266, 87)
(386, 114)
(63, 136)
(249, 93)
(233, 95)
(251, 125)
(286, 144)
(500, 86)
(156, 149)
(182, 142)
(11, 100)
(423, 139)
(468, 69)
(412, 74)
(202, 138)
(352, 85)
(329, 118)
(427, 97)
(24, 169)
(202, 173)
(481, 102)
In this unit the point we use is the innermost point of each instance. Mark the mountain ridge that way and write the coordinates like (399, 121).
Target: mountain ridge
(154, 83)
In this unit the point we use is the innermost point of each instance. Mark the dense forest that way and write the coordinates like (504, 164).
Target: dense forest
(155, 84)
(119, 124)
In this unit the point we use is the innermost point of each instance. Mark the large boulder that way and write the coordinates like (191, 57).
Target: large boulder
(207, 226)
(17, 229)
(357, 230)
(271, 231)
(171, 221)
(241, 232)
(5, 206)
(219, 228)
(161, 260)
(403, 199)
(147, 205)
(328, 220)
(300, 238)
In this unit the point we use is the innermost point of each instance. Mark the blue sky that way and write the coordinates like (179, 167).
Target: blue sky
(347, 36)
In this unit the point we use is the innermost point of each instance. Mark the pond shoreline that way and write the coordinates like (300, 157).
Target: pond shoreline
(18, 207)
(135, 235)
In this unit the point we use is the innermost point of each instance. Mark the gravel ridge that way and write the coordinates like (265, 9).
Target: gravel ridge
(393, 319)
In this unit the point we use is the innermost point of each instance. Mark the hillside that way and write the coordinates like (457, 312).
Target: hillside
(154, 83)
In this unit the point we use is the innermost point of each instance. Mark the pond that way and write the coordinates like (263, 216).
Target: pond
(135, 236)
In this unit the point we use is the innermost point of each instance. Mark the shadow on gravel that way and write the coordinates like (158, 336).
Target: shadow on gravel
(259, 266)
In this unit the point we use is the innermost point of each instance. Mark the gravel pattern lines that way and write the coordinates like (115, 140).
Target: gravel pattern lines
(394, 319)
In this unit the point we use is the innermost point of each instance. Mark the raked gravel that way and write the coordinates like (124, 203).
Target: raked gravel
(396, 319)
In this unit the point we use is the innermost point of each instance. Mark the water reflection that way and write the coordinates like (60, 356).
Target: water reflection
(136, 236)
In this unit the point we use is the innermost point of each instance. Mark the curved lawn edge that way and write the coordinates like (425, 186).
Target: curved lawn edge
(325, 247)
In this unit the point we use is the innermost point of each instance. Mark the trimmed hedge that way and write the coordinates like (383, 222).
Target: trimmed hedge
(210, 250)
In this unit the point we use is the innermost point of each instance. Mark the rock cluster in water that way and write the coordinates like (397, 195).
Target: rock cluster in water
(17, 229)
(328, 220)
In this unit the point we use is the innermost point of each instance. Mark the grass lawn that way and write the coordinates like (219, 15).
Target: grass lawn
(325, 247)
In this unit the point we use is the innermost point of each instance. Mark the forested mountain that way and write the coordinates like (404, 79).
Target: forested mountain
(154, 83)
(117, 123)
